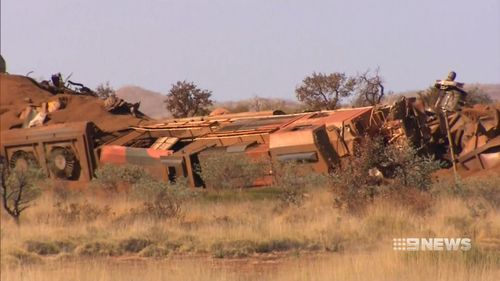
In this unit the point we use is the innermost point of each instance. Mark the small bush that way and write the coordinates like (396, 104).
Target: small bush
(112, 178)
(163, 207)
(233, 249)
(93, 249)
(65, 246)
(380, 170)
(293, 179)
(222, 171)
(19, 187)
(166, 203)
(134, 245)
(154, 251)
(42, 248)
(353, 184)
(277, 245)
(408, 168)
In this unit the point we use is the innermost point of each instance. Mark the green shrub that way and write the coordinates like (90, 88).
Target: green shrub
(42, 247)
(154, 251)
(408, 168)
(377, 169)
(97, 248)
(134, 245)
(19, 187)
(162, 200)
(277, 245)
(293, 180)
(353, 186)
(111, 177)
(222, 171)
(233, 249)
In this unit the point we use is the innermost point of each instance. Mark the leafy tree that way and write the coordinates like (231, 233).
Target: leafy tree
(324, 91)
(18, 188)
(104, 90)
(370, 88)
(185, 99)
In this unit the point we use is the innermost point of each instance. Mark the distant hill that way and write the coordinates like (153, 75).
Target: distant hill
(151, 102)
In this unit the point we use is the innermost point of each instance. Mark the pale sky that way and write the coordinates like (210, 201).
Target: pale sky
(239, 49)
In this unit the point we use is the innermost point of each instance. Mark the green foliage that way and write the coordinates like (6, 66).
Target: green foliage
(223, 171)
(19, 188)
(42, 248)
(293, 179)
(233, 249)
(325, 91)
(111, 177)
(391, 171)
(408, 168)
(185, 99)
(353, 185)
(134, 245)
(161, 200)
(98, 248)
(154, 251)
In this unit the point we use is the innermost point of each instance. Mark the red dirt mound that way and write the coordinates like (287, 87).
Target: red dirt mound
(16, 93)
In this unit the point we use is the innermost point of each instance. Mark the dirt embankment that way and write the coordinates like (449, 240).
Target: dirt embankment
(18, 92)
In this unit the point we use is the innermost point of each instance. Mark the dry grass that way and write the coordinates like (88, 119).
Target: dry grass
(233, 235)
(359, 267)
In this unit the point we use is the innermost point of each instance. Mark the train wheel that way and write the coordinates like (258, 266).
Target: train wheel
(22, 160)
(63, 163)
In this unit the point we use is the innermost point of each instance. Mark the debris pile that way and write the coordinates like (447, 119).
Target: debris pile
(26, 103)
(465, 136)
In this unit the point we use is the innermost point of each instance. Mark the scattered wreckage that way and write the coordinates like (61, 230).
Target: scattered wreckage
(35, 115)
(467, 136)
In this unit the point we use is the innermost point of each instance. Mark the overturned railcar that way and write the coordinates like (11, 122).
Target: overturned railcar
(175, 148)
(63, 151)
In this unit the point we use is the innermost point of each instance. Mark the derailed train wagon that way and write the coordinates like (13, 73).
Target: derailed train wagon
(63, 151)
(317, 140)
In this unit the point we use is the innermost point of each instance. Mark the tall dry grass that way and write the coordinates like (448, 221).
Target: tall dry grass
(235, 235)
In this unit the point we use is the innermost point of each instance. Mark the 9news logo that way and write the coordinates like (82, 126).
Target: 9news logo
(431, 244)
